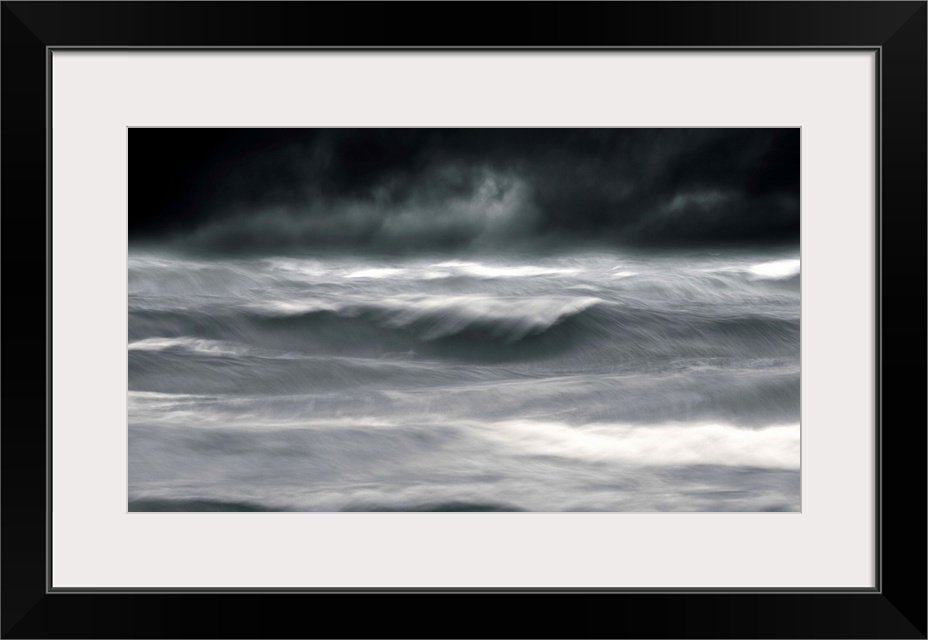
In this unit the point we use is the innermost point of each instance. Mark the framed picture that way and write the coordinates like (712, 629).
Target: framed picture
(590, 311)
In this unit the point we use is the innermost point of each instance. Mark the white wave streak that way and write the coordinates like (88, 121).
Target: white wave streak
(212, 347)
(497, 271)
(449, 315)
(241, 413)
(776, 270)
(775, 447)
(385, 272)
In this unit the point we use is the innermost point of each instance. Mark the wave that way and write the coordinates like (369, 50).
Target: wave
(240, 424)
(501, 319)
(535, 465)
(285, 286)
(301, 391)
(775, 446)
(424, 319)
(472, 327)
(177, 371)
(195, 345)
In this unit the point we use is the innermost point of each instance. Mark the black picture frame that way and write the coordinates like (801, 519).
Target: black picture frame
(895, 608)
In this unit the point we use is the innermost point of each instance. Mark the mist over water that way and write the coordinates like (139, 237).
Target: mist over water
(596, 380)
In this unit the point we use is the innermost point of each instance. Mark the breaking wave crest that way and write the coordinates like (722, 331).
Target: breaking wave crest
(467, 327)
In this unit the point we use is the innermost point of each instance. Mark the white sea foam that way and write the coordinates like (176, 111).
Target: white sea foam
(385, 272)
(775, 446)
(498, 271)
(776, 270)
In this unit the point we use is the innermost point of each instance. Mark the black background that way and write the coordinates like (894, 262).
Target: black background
(896, 610)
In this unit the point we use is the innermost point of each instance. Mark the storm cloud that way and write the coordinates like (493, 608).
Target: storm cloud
(290, 190)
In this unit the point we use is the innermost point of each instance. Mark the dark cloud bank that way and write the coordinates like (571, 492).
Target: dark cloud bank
(303, 190)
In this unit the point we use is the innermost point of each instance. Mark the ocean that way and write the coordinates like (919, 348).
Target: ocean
(613, 381)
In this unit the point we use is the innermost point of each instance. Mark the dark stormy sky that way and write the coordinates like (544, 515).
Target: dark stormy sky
(298, 190)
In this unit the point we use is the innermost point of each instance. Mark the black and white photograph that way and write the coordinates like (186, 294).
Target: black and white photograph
(604, 304)
(473, 319)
